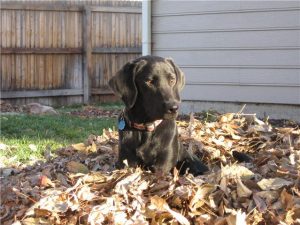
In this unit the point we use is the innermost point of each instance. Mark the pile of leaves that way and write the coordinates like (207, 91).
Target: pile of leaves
(81, 186)
(6, 107)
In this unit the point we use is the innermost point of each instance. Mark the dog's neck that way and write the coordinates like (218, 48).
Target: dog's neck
(138, 115)
(137, 119)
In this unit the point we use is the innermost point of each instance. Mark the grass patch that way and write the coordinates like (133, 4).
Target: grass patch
(27, 136)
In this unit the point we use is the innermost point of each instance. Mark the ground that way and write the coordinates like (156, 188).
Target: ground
(78, 184)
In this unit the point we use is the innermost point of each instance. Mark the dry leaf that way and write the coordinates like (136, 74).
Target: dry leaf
(226, 117)
(273, 183)
(268, 196)
(286, 200)
(162, 205)
(79, 147)
(235, 170)
(85, 194)
(201, 193)
(76, 167)
(42, 212)
(46, 182)
(36, 221)
(242, 190)
(260, 203)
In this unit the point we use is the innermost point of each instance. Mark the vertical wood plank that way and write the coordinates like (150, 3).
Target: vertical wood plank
(52, 29)
(4, 33)
(26, 44)
(32, 28)
(8, 43)
(87, 55)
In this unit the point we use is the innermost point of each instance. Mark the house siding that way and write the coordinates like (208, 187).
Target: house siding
(233, 51)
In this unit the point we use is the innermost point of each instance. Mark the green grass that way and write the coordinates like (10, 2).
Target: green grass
(27, 136)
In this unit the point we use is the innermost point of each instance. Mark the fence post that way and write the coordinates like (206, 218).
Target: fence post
(87, 53)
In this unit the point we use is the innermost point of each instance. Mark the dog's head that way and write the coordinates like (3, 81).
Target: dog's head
(152, 83)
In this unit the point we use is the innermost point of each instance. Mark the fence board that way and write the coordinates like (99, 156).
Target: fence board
(43, 49)
(87, 57)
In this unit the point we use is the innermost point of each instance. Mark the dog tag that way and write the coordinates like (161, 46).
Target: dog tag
(121, 124)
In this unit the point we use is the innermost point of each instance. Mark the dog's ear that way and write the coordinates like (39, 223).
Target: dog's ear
(123, 83)
(179, 75)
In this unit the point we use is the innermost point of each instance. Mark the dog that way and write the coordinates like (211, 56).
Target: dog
(149, 86)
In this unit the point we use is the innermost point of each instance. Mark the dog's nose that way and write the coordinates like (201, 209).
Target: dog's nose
(173, 109)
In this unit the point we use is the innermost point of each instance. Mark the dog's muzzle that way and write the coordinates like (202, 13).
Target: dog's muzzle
(171, 111)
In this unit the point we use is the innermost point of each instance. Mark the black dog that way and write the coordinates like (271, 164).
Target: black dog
(149, 86)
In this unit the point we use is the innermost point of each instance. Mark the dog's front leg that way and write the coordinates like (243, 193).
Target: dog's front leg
(145, 151)
(191, 163)
(128, 142)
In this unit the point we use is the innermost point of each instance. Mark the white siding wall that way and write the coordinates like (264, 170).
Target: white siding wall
(236, 51)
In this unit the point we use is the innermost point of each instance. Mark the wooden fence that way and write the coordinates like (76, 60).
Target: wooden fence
(61, 53)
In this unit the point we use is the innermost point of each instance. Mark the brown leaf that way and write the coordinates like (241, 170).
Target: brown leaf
(231, 220)
(162, 205)
(42, 212)
(226, 117)
(46, 182)
(268, 196)
(233, 171)
(202, 192)
(76, 167)
(286, 200)
(260, 203)
(159, 203)
(79, 147)
(36, 221)
(242, 190)
(91, 148)
(273, 183)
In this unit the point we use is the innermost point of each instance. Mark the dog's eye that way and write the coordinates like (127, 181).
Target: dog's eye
(172, 81)
(150, 82)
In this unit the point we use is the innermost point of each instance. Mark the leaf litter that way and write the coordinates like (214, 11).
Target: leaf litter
(80, 185)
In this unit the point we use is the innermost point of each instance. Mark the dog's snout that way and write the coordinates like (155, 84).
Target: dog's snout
(173, 108)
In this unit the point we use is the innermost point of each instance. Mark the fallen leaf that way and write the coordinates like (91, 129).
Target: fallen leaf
(79, 146)
(201, 193)
(162, 205)
(35, 221)
(286, 199)
(85, 194)
(53, 202)
(226, 117)
(76, 167)
(260, 203)
(273, 183)
(42, 212)
(268, 196)
(46, 182)
(235, 170)
(242, 190)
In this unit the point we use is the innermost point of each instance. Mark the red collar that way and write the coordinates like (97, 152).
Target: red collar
(146, 126)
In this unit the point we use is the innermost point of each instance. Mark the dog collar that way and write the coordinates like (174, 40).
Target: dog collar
(146, 126)
(140, 126)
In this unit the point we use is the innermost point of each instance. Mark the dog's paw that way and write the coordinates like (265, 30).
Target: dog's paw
(193, 166)
(241, 157)
(197, 168)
